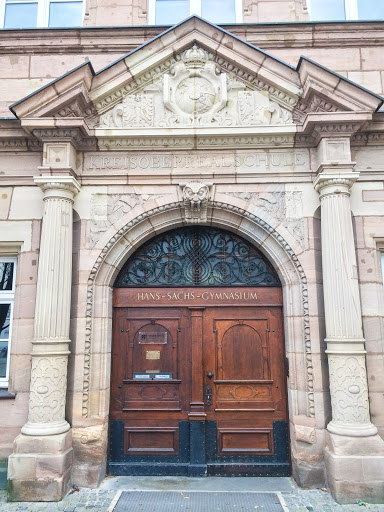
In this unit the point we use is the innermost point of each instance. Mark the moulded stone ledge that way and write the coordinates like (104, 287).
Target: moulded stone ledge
(355, 446)
(53, 444)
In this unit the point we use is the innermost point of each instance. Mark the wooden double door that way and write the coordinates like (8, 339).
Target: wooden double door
(198, 383)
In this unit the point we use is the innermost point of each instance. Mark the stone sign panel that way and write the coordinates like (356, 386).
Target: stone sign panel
(259, 160)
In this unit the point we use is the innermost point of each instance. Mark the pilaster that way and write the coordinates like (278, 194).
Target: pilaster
(344, 334)
(40, 466)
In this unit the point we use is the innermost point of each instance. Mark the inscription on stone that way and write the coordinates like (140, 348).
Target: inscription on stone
(247, 160)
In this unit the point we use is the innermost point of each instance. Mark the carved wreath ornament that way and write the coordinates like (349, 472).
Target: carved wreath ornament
(195, 92)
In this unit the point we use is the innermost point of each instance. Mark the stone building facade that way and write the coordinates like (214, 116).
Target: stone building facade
(270, 134)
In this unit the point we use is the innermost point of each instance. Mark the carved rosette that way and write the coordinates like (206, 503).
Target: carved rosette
(52, 313)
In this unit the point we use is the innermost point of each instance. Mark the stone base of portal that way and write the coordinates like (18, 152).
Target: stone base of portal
(355, 468)
(39, 468)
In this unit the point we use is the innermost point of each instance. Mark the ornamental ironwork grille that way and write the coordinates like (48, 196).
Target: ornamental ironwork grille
(197, 256)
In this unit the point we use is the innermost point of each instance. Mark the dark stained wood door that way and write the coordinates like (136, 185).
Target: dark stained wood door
(246, 380)
(198, 388)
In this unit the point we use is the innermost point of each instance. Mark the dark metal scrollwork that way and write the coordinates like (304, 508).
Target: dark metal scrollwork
(208, 395)
(197, 256)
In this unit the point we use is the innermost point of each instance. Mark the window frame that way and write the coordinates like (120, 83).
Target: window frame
(382, 263)
(194, 8)
(8, 297)
(43, 6)
(350, 7)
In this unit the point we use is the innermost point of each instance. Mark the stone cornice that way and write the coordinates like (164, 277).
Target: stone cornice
(92, 40)
(333, 124)
(74, 130)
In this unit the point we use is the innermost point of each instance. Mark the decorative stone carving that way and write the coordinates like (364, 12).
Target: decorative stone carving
(108, 209)
(48, 389)
(196, 196)
(349, 392)
(73, 135)
(285, 207)
(135, 111)
(195, 92)
(215, 204)
(316, 104)
(200, 142)
(305, 434)
(89, 113)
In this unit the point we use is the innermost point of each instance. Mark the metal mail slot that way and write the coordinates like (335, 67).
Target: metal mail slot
(152, 376)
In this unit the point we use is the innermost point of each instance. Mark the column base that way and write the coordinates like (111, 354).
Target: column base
(39, 468)
(366, 430)
(45, 429)
(355, 468)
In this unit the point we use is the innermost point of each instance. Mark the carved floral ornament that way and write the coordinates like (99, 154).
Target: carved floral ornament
(195, 92)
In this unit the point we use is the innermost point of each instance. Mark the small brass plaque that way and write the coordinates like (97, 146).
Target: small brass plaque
(152, 354)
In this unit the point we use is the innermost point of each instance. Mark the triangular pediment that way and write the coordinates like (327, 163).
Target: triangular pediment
(194, 76)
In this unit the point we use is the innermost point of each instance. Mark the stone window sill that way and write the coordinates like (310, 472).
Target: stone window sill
(5, 394)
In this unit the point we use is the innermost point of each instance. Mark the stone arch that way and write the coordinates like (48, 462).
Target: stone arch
(170, 216)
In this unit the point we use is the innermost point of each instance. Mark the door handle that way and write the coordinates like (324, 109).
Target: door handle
(209, 375)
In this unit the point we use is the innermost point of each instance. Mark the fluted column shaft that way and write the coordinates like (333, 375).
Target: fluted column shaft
(344, 335)
(52, 314)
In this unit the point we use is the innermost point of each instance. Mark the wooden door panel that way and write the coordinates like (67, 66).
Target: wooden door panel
(244, 395)
(244, 347)
(151, 440)
(256, 441)
(152, 395)
(241, 349)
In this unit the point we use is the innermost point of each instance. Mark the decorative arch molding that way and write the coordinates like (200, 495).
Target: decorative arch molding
(171, 223)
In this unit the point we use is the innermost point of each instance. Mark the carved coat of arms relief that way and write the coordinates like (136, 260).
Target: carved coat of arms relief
(196, 93)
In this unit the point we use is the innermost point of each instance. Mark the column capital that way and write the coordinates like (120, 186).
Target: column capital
(335, 183)
(53, 186)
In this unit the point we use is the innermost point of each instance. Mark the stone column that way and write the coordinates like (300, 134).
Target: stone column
(345, 341)
(39, 469)
(353, 447)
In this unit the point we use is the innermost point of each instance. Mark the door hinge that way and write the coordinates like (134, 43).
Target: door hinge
(287, 366)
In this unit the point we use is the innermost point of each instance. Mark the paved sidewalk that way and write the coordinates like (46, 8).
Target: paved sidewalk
(84, 500)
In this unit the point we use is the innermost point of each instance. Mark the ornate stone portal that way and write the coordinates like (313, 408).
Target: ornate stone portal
(244, 134)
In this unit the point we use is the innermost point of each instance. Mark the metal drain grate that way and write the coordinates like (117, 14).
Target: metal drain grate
(149, 501)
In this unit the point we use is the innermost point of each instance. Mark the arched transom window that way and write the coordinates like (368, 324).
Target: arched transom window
(197, 256)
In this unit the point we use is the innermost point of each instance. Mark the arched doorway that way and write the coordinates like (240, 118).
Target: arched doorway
(198, 381)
